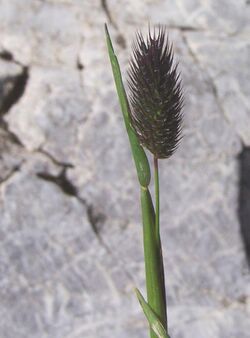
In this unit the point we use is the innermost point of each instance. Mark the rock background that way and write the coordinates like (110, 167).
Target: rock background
(71, 249)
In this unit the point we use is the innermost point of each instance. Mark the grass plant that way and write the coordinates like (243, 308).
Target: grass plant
(152, 115)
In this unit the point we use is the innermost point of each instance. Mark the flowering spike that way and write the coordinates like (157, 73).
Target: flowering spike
(155, 93)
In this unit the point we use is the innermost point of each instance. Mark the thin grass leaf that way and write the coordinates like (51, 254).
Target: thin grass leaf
(153, 260)
(140, 158)
(154, 322)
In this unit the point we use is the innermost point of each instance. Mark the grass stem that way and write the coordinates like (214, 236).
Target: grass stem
(157, 197)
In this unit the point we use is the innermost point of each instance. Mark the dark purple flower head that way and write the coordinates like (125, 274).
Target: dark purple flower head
(155, 94)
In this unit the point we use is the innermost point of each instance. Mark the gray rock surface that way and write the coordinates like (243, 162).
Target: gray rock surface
(71, 247)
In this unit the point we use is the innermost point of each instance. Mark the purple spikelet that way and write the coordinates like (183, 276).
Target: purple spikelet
(155, 94)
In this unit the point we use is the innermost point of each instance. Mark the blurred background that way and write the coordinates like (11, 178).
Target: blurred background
(71, 245)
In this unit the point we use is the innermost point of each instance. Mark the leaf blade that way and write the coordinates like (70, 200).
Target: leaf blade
(152, 318)
(139, 156)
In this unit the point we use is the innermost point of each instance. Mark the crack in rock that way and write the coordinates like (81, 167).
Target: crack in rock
(244, 199)
(14, 170)
(11, 136)
(107, 13)
(6, 55)
(79, 64)
(17, 85)
(12, 88)
(185, 28)
(120, 40)
(95, 218)
(54, 160)
(209, 81)
(61, 181)
(244, 167)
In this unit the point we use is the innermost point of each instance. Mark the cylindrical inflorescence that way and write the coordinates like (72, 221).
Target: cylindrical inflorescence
(155, 93)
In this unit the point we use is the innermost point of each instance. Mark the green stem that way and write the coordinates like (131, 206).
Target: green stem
(157, 197)
(157, 231)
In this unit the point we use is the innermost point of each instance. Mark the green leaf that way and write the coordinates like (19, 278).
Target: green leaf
(153, 259)
(140, 158)
(152, 318)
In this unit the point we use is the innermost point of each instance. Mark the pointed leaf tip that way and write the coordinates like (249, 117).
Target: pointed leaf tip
(152, 318)
(140, 158)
